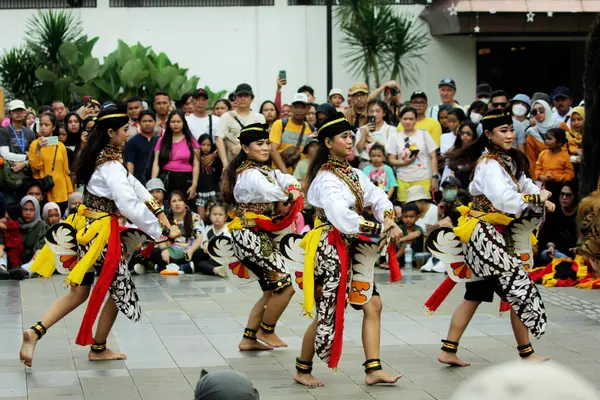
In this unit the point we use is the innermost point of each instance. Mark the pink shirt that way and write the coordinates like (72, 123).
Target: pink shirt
(180, 156)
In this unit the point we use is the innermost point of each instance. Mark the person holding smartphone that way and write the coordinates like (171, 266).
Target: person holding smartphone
(48, 157)
(377, 130)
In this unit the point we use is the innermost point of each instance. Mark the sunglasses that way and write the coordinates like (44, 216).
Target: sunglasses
(499, 105)
(418, 103)
(537, 111)
(565, 194)
(466, 133)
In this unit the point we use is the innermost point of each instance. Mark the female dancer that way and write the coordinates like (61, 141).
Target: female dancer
(253, 188)
(91, 239)
(340, 193)
(501, 196)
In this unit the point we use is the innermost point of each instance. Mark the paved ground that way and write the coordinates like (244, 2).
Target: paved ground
(195, 322)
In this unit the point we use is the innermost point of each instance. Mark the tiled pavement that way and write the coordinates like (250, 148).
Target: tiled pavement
(195, 322)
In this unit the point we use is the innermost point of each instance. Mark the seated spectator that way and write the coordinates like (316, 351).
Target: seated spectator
(75, 199)
(185, 249)
(224, 385)
(413, 234)
(380, 174)
(11, 241)
(210, 175)
(428, 212)
(558, 234)
(218, 217)
(51, 213)
(33, 230)
(157, 190)
(553, 167)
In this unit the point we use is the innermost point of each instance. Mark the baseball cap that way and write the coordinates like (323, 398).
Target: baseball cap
(200, 92)
(312, 139)
(483, 89)
(541, 96)
(447, 82)
(336, 91)
(16, 105)
(243, 88)
(521, 97)
(358, 87)
(418, 94)
(561, 91)
(300, 98)
(155, 184)
(451, 181)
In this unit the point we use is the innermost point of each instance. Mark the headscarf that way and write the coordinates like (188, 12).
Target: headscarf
(46, 210)
(334, 125)
(225, 385)
(550, 120)
(36, 217)
(578, 110)
(253, 133)
(72, 198)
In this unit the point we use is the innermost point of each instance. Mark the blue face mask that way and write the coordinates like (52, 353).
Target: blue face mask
(449, 194)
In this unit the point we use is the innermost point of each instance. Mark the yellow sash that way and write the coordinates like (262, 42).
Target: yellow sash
(310, 243)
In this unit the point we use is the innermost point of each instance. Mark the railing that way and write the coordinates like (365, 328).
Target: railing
(190, 3)
(23, 4)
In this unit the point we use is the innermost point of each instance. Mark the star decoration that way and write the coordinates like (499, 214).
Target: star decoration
(476, 29)
(530, 16)
(452, 9)
(550, 13)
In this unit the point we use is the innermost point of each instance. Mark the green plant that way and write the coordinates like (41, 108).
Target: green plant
(17, 74)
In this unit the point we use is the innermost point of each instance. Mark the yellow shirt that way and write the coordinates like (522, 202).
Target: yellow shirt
(290, 136)
(41, 166)
(430, 125)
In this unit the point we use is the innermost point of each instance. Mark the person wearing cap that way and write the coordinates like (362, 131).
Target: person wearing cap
(418, 100)
(162, 108)
(139, 149)
(232, 122)
(253, 189)
(357, 113)
(447, 88)
(156, 187)
(520, 108)
(288, 136)
(483, 92)
(339, 193)
(91, 239)
(561, 97)
(501, 194)
(201, 122)
(336, 98)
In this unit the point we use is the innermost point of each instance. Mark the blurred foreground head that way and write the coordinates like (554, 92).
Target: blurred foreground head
(224, 385)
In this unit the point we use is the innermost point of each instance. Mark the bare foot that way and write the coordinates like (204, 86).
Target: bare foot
(271, 339)
(106, 355)
(535, 358)
(251, 345)
(452, 360)
(30, 339)
(308, 380)
(380, 376)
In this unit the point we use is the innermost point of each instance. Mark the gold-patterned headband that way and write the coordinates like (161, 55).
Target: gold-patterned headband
(112, 116)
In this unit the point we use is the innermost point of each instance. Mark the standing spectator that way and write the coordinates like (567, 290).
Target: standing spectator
(233, 101)
(269, 110)
(575, 135)
(418, 100)
(30, 118)
(309, 92)
(521, 105)
(176, 156)
(208, 182)
(324, 111)
(200, 122)
(554, 167)
(33, 230)
(88, 124)
(413, 154)
(476, 111)
(456, 116)
(443, 117)
(536, 135)
(380, 132)
(51, 160)
(311, 115)
(499, 100)
(74, 128)
(483, 92)
(357, 114)
(286, 110)
(232, 122)
(33, 187)
(221, 107)
(380, 174)
(138, 149)
(187, 104)
(134, 108)
(561, 96)
(59, 109)
(62, 137)
(289, 135)
(336, 98)
(459, 168)
(162, 108)
(393, 98)
(447, 88)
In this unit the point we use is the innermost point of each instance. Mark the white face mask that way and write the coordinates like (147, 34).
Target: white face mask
(475, 118)
(519, 110)
(484, 99)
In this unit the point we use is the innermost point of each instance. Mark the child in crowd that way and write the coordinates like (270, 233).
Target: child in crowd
(382, 175)
(11, 243)
(428, 212)
(75, 199)
(208, 181)
(156, 187)
(412, 233)
(553, 167)
(298, 226)
(51, 213)
(217, 213)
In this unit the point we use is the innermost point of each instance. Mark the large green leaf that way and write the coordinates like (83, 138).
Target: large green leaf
(45, 75)
(128, 72)
(86, 90)
(69, 53)
(164, 78)
(162, 61)
(86, 46)
(124, 53)
(89, 70)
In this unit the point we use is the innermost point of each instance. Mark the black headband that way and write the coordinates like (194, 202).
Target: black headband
(253, 133)
(333, 126)
(495, 118)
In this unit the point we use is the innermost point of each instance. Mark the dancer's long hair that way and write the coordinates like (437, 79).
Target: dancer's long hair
(320, 158)
(230, 178)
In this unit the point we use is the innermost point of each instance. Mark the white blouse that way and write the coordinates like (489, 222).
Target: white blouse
(112, 181)
(253, 187)
(330, 193)
(492, 181)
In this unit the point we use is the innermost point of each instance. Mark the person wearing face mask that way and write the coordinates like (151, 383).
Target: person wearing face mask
(521, 105)
(450, 188)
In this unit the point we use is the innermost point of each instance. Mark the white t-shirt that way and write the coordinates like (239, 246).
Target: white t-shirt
(430, 218)
(200, 126)
(446, 142)
(229, 129)
(381, 136)
(420, 169)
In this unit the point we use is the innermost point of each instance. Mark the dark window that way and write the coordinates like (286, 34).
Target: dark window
(340, 2)
(190, 3)
(20, 4)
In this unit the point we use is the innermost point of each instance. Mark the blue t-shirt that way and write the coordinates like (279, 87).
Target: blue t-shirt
(383, 177)
(139, 152)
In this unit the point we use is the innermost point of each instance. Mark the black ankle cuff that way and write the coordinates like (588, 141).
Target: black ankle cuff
(98, 347)
(374, 364)
(250, 334)
(267, 328)
(304, 367)
(526, 350)
(449, 346)
(39, 329)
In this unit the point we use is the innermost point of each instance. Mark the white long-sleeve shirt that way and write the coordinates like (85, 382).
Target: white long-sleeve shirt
(252, 186)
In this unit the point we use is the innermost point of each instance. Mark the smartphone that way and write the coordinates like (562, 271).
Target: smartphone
(371, 120)
(282, 75)
(52, 141)
(394, 91)
(414, 153)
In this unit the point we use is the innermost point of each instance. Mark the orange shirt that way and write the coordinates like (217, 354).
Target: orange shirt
(556, 167)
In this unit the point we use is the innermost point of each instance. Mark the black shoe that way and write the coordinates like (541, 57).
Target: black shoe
(18, 274)
(4, 275)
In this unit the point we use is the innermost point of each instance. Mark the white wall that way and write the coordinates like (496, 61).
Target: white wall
(227, 46)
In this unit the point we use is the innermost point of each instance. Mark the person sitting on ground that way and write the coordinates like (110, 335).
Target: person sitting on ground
(218, 217)
(51, 213)
(75, 200)
(12, 241)
(413, 234)
(33, 230)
